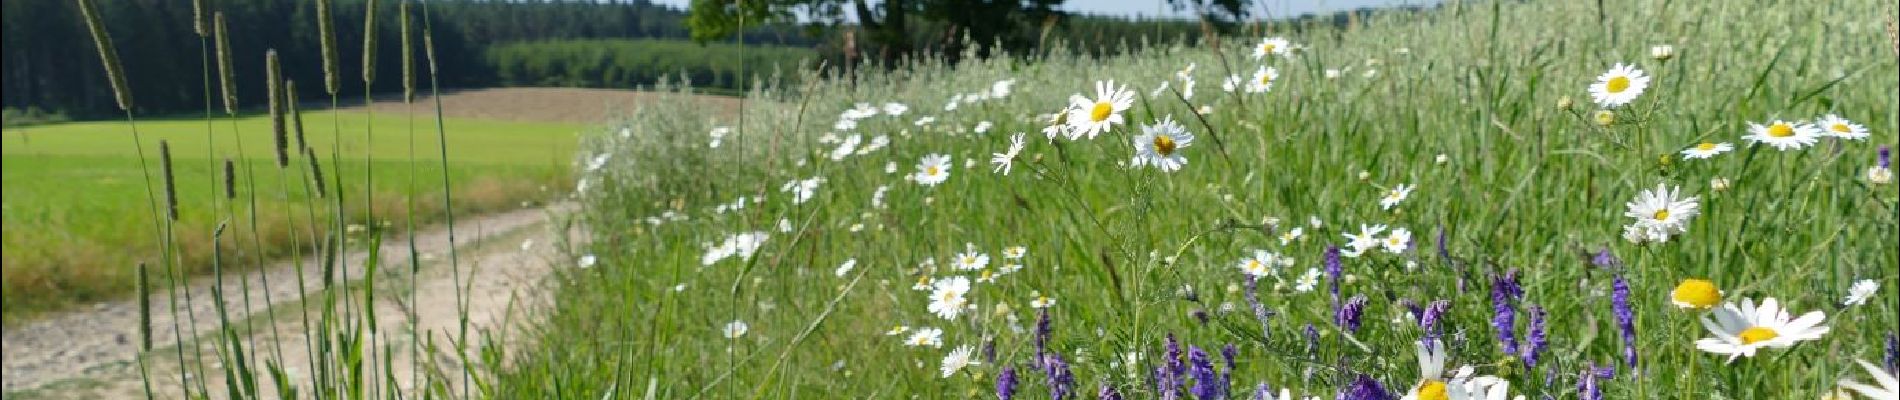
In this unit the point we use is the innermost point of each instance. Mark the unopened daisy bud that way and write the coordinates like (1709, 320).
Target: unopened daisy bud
(1564, 103)
(1662, 52)
(1364, 175)
(1442, 159)
(1719, 184)
(1604, 117)
(1879, 175)
(1698, 294)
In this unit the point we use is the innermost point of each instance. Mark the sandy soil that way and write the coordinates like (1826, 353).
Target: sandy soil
(90, 353)
(585, 106)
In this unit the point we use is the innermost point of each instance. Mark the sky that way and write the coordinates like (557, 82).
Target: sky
(1153, 8)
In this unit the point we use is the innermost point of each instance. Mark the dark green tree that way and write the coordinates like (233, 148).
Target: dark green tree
(885, 24)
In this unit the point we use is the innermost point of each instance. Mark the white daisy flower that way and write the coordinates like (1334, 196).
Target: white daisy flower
(1861, 291)
(1094, 117)
(1619, 86)
(1396, 242)
(1432, 383)
(933, 169)
(846, 147)
(1041, 301)
(718, 135)
(1291, 235)
(1261, 264)
(1783, 135)
(1333, 73)
(802, 189)
(1001, 88)
(925, 121)
(1741, 331)
(1394, 196)
(925, 337)
(586, 261)
(895, 109)
(1662, 212)
(1159, 145)
(1002, 162)
(1839, 127)
(1231, 83)
(1275, 46)
(1889, 388)
(971, 261)
(1706, 150)
(1263, 80)
(1015, 252)
(1365, 240)
(1879, 175)
(963, 356)
(947, 297)
(735, 329)
(1009, 268)
(845, 269)
(1307, 281)
(982, 127)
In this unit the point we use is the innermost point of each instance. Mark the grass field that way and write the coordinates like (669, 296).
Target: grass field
(799, 258)
(78, 220)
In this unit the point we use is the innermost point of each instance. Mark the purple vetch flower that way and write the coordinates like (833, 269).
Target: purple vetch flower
(1604, 259)
(1229, 353)
(1587, 387)
(1207, 384)
(1625, 318)
(1886, 156)
(1312, 340)
(1412, 307)
(1175, 363)
(989, 351)
(1263, 392)
(1108, 393)
(1042, 336)
(1259, 309)
(1333, 273)
(1350, 315)
(1364, 388)
(1428, 320)
(1537, 340)
(1199, 314)
(1006, 384)
(1503, 312)
(1061, 381)
(1893, 352)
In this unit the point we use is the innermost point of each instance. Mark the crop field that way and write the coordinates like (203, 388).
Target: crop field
(1486, 200)
(77, 214)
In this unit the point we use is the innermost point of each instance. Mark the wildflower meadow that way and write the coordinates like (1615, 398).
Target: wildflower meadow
(1487, 200)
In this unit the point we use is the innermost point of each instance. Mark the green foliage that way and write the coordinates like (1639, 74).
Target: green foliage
(609, 63)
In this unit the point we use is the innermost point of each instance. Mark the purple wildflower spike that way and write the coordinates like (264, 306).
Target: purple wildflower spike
(1006, 384)
(1605, 259)
(1893, 354)
(989, 351)
(1625, 318)
(1061, 381)
(1333, 273)
(1886, 157)
(1199, 314)
(1263, 392)
(1443, 252)
(1312, 340)
(1587, 387)
(1259, 309)
(1207, 383)
(1350, 315)
(1503, 313)
(1537, 340)
(1364, 388)
(1042, 336)
(1108, 393)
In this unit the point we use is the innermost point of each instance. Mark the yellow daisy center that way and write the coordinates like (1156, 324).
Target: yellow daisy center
(1164, 145)
(1780, 130)
(1840, 127)
(931, 170)
(1266, 79)
(1705, 146)
(1697, 293)
(1661, 215)
(1432, 389)
(1101, 111)
(1266, 48)
(1617, 84)
(1254, 265)
(1757, 334)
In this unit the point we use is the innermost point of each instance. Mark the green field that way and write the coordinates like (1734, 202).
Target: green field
(78, 220)
(1484, 106)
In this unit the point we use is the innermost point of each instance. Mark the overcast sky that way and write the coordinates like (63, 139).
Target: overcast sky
(1151, 8)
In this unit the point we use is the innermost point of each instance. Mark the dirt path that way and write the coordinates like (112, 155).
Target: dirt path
(90, 353)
